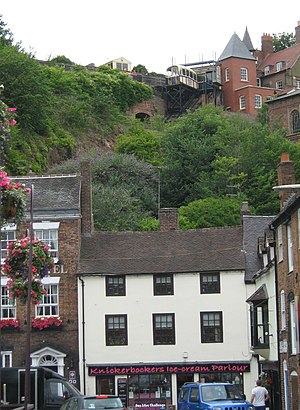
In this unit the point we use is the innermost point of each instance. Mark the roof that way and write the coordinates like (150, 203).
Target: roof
(208, 249)
(289, 55)
(290, 206)
(247, 41)
(260, 294)
(253, 228)
(54, 196)
(236, 48)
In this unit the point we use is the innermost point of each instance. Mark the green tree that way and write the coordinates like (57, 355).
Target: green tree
(143, 144)
(140, 69)
(283, 40)
(210, 212)
(6, 36)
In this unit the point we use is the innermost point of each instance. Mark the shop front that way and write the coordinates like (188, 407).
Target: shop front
(156, 386)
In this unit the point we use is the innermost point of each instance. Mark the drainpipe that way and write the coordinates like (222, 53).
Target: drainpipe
(277, 311)
(83, 334)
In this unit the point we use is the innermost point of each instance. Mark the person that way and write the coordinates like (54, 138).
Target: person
(259, 396)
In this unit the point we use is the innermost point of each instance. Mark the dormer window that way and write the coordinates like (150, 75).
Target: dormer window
(267, 70)
(279, 66)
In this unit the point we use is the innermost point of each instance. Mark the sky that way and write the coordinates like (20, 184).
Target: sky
(156, 33)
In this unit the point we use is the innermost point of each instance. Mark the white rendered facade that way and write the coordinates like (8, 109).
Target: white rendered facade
(230, 358)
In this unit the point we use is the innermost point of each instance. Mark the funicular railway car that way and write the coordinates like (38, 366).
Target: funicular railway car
(178, 74)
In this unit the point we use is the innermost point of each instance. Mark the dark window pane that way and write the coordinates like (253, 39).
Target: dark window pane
(164, 329)
(116, 330)
(211, 327)
(115, 285)
(163, 285)
(210, 282)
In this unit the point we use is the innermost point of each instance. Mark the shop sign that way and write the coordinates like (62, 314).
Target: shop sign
(170, 368)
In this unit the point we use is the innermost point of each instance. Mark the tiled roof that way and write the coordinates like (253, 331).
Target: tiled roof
(54, 195)
(236, 48)
(161, 252)
(253, 228)
(289, 55)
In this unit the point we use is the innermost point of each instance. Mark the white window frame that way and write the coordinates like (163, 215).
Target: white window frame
(294, 327)
(44, 231)
(289, 246)
(258, 101)
(280, 243)
(279, 66)
(282, 310)
(10, 306)
(242, 100)
(227, 77)
(10, 236)
(298, 84)
(279, 85)
(267, 70)
(49, 308)
(6, 358)
(244, 74)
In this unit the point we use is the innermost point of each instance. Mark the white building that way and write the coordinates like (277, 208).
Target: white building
(157, 309)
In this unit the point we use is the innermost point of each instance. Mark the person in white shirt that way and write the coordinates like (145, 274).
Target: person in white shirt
(259, 396)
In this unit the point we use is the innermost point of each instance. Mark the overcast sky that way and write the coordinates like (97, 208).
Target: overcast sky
(155, 33)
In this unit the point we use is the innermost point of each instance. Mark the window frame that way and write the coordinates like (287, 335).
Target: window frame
(165, 335)
(9, 231)
(280, 243)
(279, 85)
(49, 308)
(41, 228)
(164, 288)
(205, 338)
(289, 242)
(242, 101)
(7, 304)
(258, 101)
(115, 336)
(6, 358)
(295, 121)
(227, 74)
(282, 310)
(244, 74)
(260, 323)
(116, 288)
(213, 289)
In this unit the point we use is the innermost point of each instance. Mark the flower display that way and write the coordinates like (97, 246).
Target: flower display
(46, 322)
(9, 324)
(13, 199)
(16, 267)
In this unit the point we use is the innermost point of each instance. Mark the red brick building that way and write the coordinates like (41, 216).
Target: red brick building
(61, 214)
(287, 228)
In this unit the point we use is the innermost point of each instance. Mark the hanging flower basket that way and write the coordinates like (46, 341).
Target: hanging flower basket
(13, 199)
(9, 324)
(42, 323)
(16, 267)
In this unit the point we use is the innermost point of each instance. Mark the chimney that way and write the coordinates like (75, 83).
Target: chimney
(297, 33)
(244, 210)
(266, 44)
(286, 176)
(87, 223)
(168, 219)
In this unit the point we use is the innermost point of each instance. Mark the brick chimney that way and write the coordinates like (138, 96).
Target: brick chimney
(87, 223)
(168, 219)
(244, 210)
(286, 176)
(266, 44)
(297, 33)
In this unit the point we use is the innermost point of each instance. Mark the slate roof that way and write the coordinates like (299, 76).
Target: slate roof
(208, 249)
(253, 228)
(236, 48)
(247, 41)
(54, 196)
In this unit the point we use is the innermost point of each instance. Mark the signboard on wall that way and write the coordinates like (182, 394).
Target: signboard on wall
(122, 391)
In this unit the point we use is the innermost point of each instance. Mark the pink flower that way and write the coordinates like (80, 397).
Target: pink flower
(12, 122)
(11, 109)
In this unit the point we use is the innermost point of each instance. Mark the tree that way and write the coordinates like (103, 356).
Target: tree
(283, 40)
(140, 69)
(6, 36)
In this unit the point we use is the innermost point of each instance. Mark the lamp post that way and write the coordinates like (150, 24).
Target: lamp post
(28, 324)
